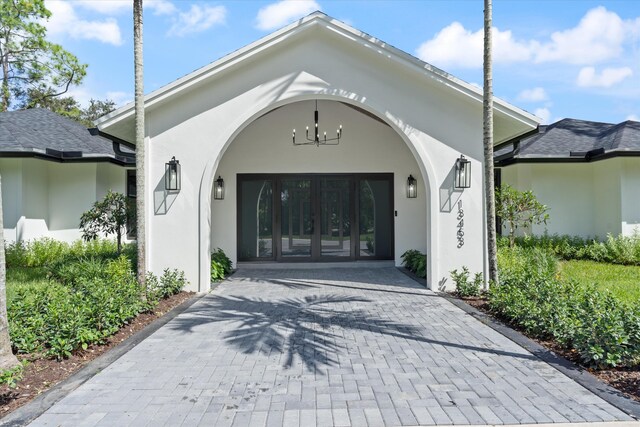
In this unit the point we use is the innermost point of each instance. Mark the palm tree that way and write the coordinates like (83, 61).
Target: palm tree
(7, 359)
(487, 113)
(140, 149)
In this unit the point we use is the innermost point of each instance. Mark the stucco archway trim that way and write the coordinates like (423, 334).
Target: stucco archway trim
(410, 137)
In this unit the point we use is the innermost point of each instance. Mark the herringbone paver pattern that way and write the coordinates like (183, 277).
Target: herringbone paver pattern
(343, 347)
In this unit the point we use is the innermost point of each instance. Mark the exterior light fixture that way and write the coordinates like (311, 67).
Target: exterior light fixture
(463, 173)
(317, 139)
(218, 192)
(172, 179)
(412, 187)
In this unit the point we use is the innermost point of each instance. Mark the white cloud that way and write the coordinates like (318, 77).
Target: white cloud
(284, 12)
(588, 77)
(633, 117)
(113, 7)
(456, 46)
(536, 94)
(544, 114)
(119, 97)
(64, 21)
(197, 19)
(599, 36)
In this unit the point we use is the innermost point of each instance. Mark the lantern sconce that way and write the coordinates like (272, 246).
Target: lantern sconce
(172, 172)
(218, 193)
(463, 173)
(412, 187)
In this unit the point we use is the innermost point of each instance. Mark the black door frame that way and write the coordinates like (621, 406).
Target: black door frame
(315, 199)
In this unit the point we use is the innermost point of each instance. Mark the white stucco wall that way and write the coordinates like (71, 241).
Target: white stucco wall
(584, 199)
(367, 146)
(630, 195)
(45, 199)
(435, 123)
(11, 172)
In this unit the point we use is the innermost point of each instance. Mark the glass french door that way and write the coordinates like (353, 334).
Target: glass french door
(315, 217)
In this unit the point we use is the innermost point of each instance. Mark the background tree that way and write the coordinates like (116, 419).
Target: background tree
(487, 131)
(68, 106)
(97, 108)
(519, 209)
(140, 151)
(7, 359)
(27, 59)
(107, 217)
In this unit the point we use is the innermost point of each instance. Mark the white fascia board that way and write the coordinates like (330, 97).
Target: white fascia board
(317, 18)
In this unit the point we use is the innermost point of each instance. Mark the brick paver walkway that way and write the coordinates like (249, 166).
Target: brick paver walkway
(324, 347)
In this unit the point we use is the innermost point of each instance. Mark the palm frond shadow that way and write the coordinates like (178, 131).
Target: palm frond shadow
(310, 328)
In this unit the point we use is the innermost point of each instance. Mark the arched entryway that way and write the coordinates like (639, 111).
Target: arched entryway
(347, 201)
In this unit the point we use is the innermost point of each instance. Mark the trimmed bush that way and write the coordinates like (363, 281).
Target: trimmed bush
(170, 283)
(62, 297)
(48, 252)
(603, 330)
(220, 265)
(98, 297)
(416, 262)
(623, 250)
(466, 287)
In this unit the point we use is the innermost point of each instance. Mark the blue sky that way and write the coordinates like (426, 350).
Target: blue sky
(554, 58)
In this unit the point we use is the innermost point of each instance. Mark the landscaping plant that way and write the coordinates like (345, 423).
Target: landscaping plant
(466, 287)
(63, 297)
(620, 249)
(416, 262)
(519, 209)
(221, 265)
(108, 216)
(602, 329)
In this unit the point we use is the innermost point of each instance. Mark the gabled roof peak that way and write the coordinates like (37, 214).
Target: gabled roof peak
(328, 25)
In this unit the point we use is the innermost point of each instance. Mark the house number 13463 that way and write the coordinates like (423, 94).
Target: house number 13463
(460, 225)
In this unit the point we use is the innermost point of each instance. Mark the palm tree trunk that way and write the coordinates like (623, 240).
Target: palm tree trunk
(488, 146)
(140, 148)
(7, 359)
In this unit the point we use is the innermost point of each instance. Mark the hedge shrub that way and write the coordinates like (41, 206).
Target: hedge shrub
(90, 294)
(221, 265)
(616, 250)
(416, 262)
(603, 330)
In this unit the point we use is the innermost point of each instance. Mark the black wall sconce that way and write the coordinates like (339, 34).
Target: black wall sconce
(218, 192)
(172, 175)
(463, 173)
(412, 187)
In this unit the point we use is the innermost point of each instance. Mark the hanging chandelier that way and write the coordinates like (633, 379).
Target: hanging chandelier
(316, 139)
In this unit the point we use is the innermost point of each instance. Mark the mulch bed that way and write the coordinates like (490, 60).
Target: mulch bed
(627, 380)
(42, 374)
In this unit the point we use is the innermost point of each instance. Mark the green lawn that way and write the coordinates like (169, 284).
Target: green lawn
(622, 280)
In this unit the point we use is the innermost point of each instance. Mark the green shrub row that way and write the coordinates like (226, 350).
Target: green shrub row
(416, 262)
(48, 252)
(603, 330)
(86, 299)
(221, 265)
(616, 250)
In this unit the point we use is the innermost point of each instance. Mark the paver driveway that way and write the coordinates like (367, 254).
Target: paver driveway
(347, 346)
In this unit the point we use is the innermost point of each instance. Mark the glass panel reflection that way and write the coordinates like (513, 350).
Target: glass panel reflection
(296, 224)
(335, 214)
(375, 218)
(256, 222)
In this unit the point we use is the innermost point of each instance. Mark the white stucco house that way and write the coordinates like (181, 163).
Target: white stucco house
(231, 123)
(53, 169)
(587, 173)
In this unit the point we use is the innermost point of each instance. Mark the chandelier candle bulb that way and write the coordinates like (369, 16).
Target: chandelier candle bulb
(316, 140)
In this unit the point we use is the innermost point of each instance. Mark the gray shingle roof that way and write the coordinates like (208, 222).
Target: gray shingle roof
(45, 134)
(571, 139)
